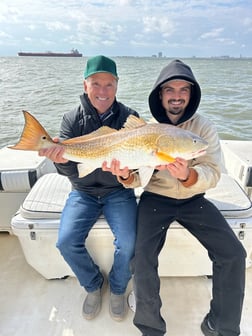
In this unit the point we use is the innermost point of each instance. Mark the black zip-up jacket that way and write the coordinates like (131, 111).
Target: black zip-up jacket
(83, 120)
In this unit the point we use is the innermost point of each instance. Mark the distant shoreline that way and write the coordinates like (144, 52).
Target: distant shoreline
(70, 54)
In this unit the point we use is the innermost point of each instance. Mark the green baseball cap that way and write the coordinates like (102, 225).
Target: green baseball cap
(98, 64)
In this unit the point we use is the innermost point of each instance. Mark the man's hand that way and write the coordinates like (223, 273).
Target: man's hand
(178, 169)
(115, 169)
(54, 153)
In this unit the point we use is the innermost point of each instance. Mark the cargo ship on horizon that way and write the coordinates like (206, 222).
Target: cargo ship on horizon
(73, 53)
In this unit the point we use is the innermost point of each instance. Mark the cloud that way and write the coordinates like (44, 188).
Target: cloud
(57, 26)
(8, 12)
(162, 25)
(226, 41)
(212, 34)
(247, 22)
(4, 35)
(31, 26)
(128, 27)
(95, 31)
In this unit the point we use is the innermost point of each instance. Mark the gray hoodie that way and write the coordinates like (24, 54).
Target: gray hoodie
(207, 166)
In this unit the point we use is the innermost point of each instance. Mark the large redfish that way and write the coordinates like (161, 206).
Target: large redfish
(138, 145)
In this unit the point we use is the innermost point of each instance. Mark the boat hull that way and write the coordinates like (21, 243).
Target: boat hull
(49, 54)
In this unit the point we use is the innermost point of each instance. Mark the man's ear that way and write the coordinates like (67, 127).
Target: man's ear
(85, 85)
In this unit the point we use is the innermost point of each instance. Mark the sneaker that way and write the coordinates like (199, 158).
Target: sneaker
(117, 306)
(92, 303)
(207, 329)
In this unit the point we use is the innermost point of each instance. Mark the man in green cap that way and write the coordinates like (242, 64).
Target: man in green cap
(99, 192)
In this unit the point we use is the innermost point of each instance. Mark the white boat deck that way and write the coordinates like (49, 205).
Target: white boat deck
(33, 306)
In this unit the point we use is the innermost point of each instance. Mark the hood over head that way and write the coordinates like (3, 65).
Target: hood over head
(174, 70)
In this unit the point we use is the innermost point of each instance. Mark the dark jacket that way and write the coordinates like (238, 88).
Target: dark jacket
(83, 120)
(174, 70)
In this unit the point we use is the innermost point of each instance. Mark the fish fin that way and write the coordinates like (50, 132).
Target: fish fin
(83, 170)
(145, 174)
(133, 122)
(104, 130)
(152, 121)
(33, 135)
(165, 157)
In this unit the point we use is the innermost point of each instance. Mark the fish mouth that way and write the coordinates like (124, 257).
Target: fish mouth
(200, 152)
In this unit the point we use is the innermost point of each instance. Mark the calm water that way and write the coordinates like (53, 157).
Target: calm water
(48, 87)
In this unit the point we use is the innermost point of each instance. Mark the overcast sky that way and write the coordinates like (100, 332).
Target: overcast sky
(177, 28)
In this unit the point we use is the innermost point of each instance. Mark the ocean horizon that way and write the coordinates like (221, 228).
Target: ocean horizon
(50, 86)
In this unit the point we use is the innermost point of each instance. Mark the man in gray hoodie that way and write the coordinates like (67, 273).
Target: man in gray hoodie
(176, 192)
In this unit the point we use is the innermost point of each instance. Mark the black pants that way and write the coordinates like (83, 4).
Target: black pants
(206, 223)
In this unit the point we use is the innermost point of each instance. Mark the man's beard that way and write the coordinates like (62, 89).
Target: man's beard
(176, 110)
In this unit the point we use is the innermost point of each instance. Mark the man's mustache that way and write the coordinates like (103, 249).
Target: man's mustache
(171, 101)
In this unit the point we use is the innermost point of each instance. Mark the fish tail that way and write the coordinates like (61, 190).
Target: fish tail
(34, 136)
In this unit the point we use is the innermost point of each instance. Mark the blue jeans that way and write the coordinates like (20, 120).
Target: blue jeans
(80, 213)
(206, 223)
